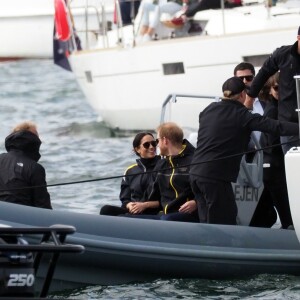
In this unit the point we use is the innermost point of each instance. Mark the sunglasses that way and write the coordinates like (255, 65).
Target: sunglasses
(247, 77)
(146, 145)
(275, 87)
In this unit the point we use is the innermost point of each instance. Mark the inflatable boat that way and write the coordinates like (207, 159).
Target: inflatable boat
(122, 250)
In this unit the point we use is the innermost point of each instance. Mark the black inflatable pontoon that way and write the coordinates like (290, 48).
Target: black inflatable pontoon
(121, 250)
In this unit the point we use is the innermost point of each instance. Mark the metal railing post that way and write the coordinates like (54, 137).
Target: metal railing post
(297, 78)
(223, 15)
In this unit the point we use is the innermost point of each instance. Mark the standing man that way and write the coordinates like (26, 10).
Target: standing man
(223, 136)
(265, 213)
(246, 72)
(19, 168)
(285, 59)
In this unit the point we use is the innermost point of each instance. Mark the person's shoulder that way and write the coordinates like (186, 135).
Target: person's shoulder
(271, 110)
(160, 163)
(282, 50)
(36, 167)
(190, 149)
(3, 154)
(131, 168)
(157, 158)
(210, 107)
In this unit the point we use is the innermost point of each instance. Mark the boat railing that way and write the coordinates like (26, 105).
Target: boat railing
(173, 98)
(108, 18)
(109, 26)
(51, 240)
(101, 27)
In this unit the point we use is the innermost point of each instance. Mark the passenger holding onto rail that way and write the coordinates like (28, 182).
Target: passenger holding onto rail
(137, 180)
(223, 136)
(274, 168)
(285, 59)
(20, 170)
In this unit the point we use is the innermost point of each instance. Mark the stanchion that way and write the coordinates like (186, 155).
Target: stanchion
(297, 78)
(292, 170)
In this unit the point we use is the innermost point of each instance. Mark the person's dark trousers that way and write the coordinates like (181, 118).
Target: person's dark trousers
(215, 200)
(275, 183)
(140, 216)
(181, 217)
(112, 210)
(265, 214)
(129, 10)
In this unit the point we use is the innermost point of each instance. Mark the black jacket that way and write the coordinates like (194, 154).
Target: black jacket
(286, 60)
(272, 155)
(20, 168)
(136, 187)
(172, 185)
(225, 129)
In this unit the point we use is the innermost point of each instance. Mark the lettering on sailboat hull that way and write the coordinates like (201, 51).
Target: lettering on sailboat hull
(173, 68)
(246, 193)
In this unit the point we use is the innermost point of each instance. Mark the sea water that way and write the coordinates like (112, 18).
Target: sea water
(77, 147)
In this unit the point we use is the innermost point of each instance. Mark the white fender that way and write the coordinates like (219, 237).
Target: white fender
(292, 169)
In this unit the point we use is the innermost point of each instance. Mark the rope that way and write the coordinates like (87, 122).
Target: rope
(149, 172)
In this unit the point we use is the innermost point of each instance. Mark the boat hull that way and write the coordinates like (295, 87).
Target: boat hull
(126, 82)
(122, 250)
(127, 87)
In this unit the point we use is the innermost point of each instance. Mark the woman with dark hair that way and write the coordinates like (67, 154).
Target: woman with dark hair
(274, 170)
(137, 180)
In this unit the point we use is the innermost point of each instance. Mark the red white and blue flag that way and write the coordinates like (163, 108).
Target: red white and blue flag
(62, 35)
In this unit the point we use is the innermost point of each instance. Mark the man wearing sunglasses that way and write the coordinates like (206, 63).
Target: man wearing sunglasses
(285, 59)
(246, 72)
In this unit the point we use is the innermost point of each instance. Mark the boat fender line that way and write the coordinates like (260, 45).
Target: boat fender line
(223, 253)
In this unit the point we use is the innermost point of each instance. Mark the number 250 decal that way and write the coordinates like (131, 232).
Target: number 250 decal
(20, 280)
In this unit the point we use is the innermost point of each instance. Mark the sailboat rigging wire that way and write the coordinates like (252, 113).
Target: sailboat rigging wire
(147, 172)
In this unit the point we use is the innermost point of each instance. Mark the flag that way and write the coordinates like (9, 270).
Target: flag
(63, 44)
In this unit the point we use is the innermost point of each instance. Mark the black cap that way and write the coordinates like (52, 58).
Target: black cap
(299, 30)
(234, 85)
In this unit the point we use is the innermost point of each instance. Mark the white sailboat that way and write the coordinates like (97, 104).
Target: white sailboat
(126, 82)
(26, 27)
